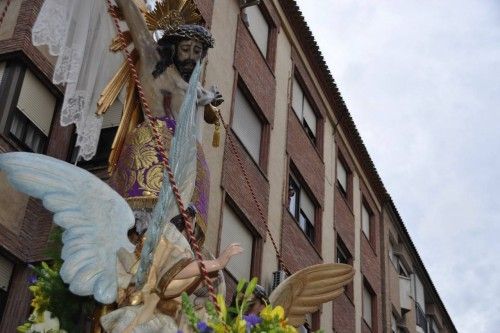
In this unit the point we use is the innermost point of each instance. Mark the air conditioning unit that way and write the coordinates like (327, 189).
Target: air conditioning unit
(278, 277)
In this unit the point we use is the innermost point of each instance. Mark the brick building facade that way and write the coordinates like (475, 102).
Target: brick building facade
(315, 185)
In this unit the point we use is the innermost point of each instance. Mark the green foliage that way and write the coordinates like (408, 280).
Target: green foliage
(52, 294)
(235, 319)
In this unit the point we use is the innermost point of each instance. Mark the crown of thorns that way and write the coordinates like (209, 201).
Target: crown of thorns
(189, 31)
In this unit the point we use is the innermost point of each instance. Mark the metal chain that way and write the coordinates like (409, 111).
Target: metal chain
(250, 187)
(164, 160)
(4, 12)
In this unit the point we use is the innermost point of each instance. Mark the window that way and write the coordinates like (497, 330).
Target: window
(343, 255)
(259, 28)
(402, 269)
(365, 220)
(342, 176)
(6, 268)
(368, 301)
(234, 231)
(392, 255)
(301, 207)
(111, 120)
(26, 133)
(394, 325)
(433, 327)
(247, 125)
(31, 120)
(302, 108)
(419, 293)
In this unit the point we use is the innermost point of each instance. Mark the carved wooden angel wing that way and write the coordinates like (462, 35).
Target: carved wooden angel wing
(304, 292)
(95, 219)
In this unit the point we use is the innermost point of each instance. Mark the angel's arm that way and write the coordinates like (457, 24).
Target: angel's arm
(143, 40)
(193, 269)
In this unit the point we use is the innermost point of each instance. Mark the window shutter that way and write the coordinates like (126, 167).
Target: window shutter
(247, 125)
(113, 116)
(233, 231)
(365, 220)
(297, 98)
(259, 28)
(6, 268)
(309, 116)
(342, 175)
(419, 293)
(307, 206)
(36, 102)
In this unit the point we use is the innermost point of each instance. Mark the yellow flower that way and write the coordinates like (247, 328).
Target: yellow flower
(269, 314)
(240, 326)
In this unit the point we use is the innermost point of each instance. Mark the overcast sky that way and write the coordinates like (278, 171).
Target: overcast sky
(422, 81)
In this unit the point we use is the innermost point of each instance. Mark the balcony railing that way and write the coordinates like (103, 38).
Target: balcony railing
(421, 320)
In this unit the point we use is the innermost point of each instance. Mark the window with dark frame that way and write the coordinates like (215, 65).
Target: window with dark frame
(343, 256)
(366, 217)
(368, 304)
(302, 208)
(101, 156)
(247, 125)
(233, 225)
(30, 118)
(25, 133)
(342, 176)
(259, 28)
(303, 109)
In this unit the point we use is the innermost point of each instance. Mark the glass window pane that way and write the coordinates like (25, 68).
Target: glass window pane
(342, 175)
(309, 117)
(307, 206)
(365, 220)
(293, 192)
(247, 125)
(259, 28)
(297, 98)
(234, 231)
(367, 306)
(16, 126)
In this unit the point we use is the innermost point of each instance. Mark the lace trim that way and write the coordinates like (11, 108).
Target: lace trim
(51, 26)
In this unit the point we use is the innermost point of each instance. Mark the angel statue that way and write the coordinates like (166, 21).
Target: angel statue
(97, 254)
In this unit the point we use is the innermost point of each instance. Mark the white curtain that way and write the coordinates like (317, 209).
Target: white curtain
(79, 34)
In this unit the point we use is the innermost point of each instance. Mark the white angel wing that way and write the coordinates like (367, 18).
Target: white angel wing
(94, 216)
(304, 292)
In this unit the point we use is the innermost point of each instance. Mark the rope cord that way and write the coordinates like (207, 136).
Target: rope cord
(250, 187)
(163, 158)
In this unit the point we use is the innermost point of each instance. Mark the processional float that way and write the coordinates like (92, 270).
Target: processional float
(134, 245)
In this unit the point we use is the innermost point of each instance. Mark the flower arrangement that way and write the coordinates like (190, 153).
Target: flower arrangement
(55, 308)
(235, 318)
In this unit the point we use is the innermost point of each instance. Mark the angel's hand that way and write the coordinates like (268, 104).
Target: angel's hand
(228, 253)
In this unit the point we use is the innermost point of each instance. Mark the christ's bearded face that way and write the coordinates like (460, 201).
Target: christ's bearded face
(187, 53)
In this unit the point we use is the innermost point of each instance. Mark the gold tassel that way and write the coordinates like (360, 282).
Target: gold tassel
(216, 137)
